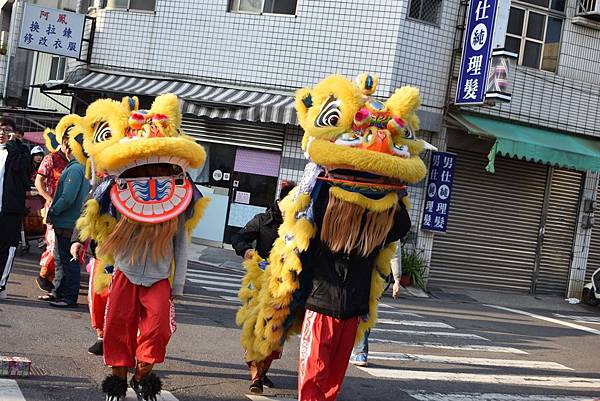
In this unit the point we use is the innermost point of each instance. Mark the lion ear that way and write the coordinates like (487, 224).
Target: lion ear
(404, 101)
(51, 140)
(304, 102)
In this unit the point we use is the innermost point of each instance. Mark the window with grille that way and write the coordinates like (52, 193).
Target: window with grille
(143, 5)
(425, 10)
(534, 31)
(285, 7)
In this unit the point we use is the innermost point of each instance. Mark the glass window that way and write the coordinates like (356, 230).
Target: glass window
(536, 25)
(531, 54)
(535, 36)
(515, 21)
(552, 44)
(425, 10)
(57, 69)
(558, 5)
(284, 7)
(146, 5)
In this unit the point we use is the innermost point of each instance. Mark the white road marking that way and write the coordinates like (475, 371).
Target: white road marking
(516, 380)
(431, 333)
(225, 290)
(232, 299)
(263, 398)
(407, 314)
(216, 279)
(212, 282)
(422, 396)
(214, 274)
(513, 363)
(417, 323)
(483, 348)
(580, 318)
(10, 391)
(164, 396)
(547, 319)
(382, 305)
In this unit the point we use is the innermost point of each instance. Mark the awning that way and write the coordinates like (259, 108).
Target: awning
(202, 100)
(534, 144)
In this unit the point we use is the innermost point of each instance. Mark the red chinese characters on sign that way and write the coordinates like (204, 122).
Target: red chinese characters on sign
(62, 19)
(44, 15)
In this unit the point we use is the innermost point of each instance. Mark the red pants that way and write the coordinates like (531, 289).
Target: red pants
(131, 308)
(325, 349)
(47, 268)
(96, 302)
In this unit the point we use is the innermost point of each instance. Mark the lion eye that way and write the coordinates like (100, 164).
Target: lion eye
(408, 133)
(330, 113)
(102, 132)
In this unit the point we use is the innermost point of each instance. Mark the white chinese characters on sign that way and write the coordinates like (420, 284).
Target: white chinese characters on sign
(439, 191)
(51, 30)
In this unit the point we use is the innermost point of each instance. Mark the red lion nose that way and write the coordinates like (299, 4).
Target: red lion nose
(381, 143)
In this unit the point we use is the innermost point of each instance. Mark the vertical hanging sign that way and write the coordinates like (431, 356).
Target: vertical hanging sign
(439, 191)
(477, 48)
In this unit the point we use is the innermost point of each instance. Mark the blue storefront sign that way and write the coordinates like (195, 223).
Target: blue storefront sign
(439, 191)
(477, 47)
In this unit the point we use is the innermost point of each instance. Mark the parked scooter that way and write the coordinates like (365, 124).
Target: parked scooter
(591, 291)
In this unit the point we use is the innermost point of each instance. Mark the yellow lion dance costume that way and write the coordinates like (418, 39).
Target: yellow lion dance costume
(141, 218)
(340, 228)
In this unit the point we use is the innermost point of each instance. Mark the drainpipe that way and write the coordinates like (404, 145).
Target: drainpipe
(11, 33)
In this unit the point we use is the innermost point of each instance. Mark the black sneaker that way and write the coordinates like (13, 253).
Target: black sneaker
(135, 385)
(97, 348)
(267, 382)
(44, 284)
(256, 387)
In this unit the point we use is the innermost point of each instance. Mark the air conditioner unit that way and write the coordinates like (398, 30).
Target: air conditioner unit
(588, 13)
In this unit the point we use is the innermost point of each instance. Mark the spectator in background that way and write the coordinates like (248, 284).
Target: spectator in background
(261, 230)
(71, 192)
(14, 182)
(46, 182)
(37, 155)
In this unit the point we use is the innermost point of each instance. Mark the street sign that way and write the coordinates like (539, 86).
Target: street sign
(439, 191)
(51, 30)
(477, 47)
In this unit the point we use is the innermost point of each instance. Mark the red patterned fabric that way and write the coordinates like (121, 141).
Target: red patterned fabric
(51, 168)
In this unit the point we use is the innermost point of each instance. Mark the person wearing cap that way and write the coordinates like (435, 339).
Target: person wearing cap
(14, 182)
(37, 155)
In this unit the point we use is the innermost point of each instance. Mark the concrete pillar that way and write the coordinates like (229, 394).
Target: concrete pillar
(583, 235)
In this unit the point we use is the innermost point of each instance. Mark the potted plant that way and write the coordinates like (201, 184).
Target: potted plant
(413, 269)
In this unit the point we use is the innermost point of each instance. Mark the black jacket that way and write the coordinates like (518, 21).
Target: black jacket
(341, 283)
(16, 178)
(262, 229)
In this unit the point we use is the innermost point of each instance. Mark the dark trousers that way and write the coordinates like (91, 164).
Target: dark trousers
(68, 272)
(10, 228)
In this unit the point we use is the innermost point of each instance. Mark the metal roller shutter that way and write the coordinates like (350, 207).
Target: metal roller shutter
(493, 227)
(233, 132)
(560, 230)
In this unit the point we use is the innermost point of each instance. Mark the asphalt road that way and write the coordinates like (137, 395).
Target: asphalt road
(458, 346)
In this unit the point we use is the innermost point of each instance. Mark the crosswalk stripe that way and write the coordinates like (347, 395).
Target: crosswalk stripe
(221, 284)
(263, 398)
(164, 396)
(431, 333)
(483, 348)
(512, 363)
(214, 273)
(580, 318)
(390, 312)
(225, 290)
(516, 380)
(421, 396)
(232, 299)
(417, 323)
(547, 319)
(10, 391)
(216, 279)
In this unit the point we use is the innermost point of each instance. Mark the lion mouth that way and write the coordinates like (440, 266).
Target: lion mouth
(153, 166)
